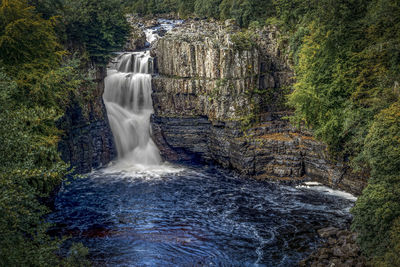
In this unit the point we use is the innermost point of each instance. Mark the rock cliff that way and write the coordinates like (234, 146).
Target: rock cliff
(219, 97)
(87, 141)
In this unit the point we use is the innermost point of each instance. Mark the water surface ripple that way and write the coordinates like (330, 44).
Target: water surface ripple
(199, 216)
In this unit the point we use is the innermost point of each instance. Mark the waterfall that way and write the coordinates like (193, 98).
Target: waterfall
(127, 97)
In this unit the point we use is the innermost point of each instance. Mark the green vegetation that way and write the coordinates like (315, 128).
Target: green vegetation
(346, 55)
(243, 40)
(347, 61)
(377, 212)
(244, 12)
(98, 26)
(38, 76)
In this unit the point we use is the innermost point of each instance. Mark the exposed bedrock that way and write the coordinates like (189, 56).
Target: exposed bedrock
(218, 101)
(87, 141)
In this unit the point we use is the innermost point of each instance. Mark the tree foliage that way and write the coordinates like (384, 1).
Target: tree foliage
(242, 11)
(29, 170)
(28, 43)
(347, 61)
(347, 71)
(97, 25)
(37, 80)
(377, 212)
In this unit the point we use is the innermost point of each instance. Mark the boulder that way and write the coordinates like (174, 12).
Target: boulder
(340, 250)
(328, 232)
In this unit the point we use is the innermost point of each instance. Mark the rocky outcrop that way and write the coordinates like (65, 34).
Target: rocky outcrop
(87, 140)
(340, 249)
(137, 39)
(219, 97)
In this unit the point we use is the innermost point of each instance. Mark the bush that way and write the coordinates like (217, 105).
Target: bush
(377, 211)
(98, 25)
(392, 256)
(382, 144)
(243, 40)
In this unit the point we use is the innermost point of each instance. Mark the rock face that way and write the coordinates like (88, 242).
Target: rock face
(219, 97)
(87, 141)
(137, 39)
(340, 249)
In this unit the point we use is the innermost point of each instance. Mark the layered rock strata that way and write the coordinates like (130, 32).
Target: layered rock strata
(219, 97)
(87, 141)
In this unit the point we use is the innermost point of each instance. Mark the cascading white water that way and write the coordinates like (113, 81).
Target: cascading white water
(127, 97)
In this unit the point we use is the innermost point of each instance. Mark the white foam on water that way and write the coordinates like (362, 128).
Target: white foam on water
(326, 190)
(167, 25)
(125, 168)
(312, 183)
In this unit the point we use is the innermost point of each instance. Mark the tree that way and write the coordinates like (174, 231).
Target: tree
(30, 167)
(347, 65)
(377, 210)
(47, 8)
(207, 8)
(98, 25)
(35, 84)
(186, 7)
(27, 41)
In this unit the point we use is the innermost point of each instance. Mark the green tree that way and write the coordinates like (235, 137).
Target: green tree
(392, 255)
(347, 71)
(47, 8)
(29, 170)
(186, 8)
(207, 8)
(377, 210)
(35, 86)
(98, 25)
(28, 44)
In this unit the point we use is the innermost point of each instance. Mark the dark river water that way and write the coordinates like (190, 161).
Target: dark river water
(194, 216)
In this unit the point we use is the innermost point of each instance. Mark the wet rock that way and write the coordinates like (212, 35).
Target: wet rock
(161, 32)
(151, 23)
(230, 23)
(351, 249)
(337, 251)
